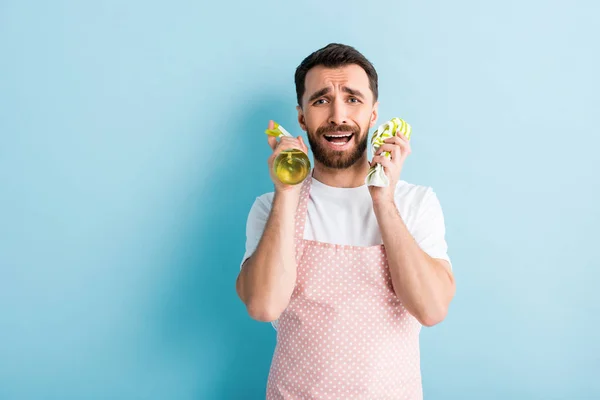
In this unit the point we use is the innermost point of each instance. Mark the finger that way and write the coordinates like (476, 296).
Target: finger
(378, 157)
(385, 163)
(288, 139)
(293, 140)
(288, 144)
(393, 140)
(283, 139)
(401, 136)
(385, 147)
(272, 140)
(404, 146)
(380, 160)
(271, 124)
(405, 149)
(397, 154)
(385, 155)
(398, 139)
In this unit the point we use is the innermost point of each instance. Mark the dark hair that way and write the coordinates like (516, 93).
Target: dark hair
(334, 55)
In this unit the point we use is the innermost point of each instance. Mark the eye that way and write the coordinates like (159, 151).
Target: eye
(320, 101)
(353, 100)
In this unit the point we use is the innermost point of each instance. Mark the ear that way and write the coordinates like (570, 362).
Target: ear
(374, 114)
(301, 119)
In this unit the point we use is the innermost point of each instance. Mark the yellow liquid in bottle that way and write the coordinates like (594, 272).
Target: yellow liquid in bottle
(291, 166)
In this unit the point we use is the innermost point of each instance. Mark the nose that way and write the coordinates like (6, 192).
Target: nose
(338, 113)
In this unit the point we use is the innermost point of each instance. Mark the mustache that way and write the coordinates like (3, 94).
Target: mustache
(337, 128)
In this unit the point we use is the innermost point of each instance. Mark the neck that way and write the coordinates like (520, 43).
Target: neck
(350, 177)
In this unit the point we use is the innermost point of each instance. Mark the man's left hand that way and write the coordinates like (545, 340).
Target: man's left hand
(399, 148)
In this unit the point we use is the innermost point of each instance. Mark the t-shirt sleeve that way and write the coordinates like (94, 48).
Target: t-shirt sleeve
(430, 229)
(255, 225)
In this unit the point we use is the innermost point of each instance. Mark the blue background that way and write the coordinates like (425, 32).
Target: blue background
(132, 148)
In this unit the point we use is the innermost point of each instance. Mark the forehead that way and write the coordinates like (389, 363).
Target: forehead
(352, 76)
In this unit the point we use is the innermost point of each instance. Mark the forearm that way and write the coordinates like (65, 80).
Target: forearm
(267, 279)
(424, 285)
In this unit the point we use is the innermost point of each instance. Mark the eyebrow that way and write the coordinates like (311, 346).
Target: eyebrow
(353, 92)
(319, 93)
(325, 90)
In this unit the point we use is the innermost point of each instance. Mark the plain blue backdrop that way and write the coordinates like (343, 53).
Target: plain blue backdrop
(132, 148)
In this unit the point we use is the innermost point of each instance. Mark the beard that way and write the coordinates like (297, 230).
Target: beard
(338, 159)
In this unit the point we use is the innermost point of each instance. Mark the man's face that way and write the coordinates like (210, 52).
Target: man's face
(337, 112)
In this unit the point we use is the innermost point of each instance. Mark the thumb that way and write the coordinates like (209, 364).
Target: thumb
(303, 144)
(272, 140)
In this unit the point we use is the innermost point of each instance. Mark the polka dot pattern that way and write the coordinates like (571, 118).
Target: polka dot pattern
(344, 334)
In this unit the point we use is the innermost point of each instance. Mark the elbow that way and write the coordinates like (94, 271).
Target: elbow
(431, 320)
(437, 309)
(257, 309)
(432, 316)
(262, 312)
(262, 305)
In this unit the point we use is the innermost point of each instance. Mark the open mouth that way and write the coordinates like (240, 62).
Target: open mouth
(339, 139)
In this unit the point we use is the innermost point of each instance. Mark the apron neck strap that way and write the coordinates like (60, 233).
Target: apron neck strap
(301, 211)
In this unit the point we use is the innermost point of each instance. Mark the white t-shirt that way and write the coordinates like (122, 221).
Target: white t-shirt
(345, 216)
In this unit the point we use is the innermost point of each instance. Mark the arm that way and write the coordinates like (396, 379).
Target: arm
(267, 279)
(425, 285)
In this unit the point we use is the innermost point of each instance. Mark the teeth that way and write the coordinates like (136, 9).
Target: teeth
(338, 136)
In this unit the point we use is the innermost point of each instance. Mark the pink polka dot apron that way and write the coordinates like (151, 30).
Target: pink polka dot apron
(344, 335)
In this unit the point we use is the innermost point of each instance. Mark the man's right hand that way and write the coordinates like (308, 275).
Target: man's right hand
(285, 143)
